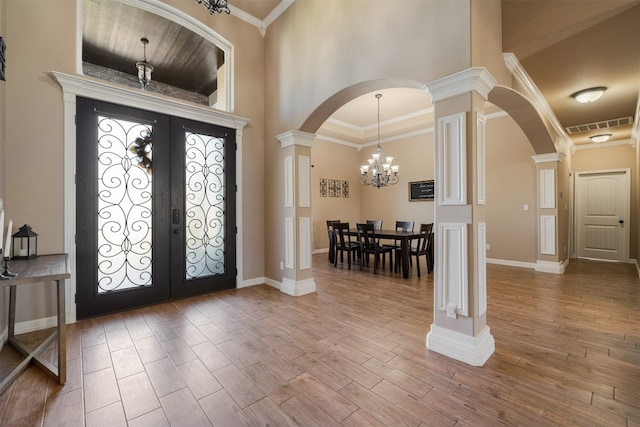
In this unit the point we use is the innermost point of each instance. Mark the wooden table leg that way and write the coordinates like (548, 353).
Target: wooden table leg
(62, 333)
(12, 311)
(404, 250)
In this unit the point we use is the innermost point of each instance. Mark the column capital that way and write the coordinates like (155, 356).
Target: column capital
(477, 79)
(548, 157)
(295, 137)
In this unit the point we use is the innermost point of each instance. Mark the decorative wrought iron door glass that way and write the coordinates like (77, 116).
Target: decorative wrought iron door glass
(124, 207)
(204, 205)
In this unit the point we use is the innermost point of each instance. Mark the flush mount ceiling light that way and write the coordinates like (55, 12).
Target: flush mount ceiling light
(214, 6)
(586, 96)
(600, 138)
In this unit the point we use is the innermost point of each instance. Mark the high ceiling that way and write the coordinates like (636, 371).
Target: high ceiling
(567, 46)
(563, 45)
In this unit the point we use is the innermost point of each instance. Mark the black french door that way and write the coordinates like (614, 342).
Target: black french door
(155, 215)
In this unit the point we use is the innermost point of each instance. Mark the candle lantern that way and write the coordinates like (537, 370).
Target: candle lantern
(25, 243)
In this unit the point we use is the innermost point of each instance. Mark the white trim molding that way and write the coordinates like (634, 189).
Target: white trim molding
(481, 164)
(476, 79)
(451, 158)
(548, 157)
(288, 181)
(481, 267)
(304, 228)
(74, 86)
(289, 242)
(547, 189)
(451, 285)
(537, 99)
(297, 288)
(474, 351)
(551, 267)
(296, 137)
(548, 234)
(304, 182)
(511, 263)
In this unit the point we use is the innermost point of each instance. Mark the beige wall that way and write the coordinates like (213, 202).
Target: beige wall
(333, 161)
(415, 157)
(615, 157)
(511, 184)
(304, 68)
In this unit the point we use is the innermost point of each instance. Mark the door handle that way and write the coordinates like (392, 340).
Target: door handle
(621, 221)
(175, 216)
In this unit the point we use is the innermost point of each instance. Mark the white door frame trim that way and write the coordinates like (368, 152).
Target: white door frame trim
(73, 86)
(627, 213)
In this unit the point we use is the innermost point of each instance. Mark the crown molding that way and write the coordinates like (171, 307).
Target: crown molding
(548, 157)
(476, 79)
(261, 25)
(296, 137)
(393, 120)
(537, 99)
(630, 142)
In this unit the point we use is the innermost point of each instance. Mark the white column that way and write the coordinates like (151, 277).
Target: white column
(549, 255)
(459, 328)
(297, 275)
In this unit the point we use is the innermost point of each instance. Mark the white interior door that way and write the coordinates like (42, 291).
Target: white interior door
(602, 214)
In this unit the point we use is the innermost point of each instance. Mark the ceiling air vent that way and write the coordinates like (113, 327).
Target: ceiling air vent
(624, 121)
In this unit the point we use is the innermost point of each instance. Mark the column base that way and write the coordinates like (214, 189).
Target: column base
(473, 351)
(298, 288)
(551, 267)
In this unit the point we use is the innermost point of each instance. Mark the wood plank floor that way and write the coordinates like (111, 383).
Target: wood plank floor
(352, 354)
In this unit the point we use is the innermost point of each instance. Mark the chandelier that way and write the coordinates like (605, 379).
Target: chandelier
(380, 171)
(144, 68)
(214, 6)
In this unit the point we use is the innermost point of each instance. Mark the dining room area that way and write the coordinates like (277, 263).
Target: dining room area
(341, 193)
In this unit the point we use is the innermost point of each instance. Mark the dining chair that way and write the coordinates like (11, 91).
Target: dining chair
(369, 246)
(396, 246)
(422, 247)
(344, 244)
(377, 224)
(332, 238)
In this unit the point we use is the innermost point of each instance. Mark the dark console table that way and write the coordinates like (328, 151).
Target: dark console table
(41, 270)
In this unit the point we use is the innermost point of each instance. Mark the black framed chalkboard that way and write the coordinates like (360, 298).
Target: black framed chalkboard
(421, 190)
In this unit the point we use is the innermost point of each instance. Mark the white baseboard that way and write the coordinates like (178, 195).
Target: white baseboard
(36, 325)
(297, 288)
(551, 267)
(510, 263)
(321, 251)
(474, 351)
(251, 282)
(272, 283)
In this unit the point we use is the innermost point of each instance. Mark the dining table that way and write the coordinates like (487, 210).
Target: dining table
(404, 237)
